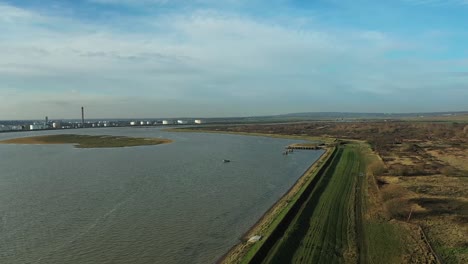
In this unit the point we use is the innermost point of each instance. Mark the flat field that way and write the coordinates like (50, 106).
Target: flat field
(85, 141)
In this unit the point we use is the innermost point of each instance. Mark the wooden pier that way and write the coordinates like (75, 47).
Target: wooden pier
(305, 146)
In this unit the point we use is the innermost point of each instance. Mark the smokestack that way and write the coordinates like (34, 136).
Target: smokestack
(82, 116)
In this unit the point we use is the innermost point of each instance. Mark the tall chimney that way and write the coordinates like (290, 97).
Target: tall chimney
(82, 116)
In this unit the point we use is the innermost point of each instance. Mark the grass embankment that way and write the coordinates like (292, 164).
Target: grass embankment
(85, 141)
(323, 231)
(379, 241)
(340, 222)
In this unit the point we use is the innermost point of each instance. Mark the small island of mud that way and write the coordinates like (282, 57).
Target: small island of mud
(86, 141)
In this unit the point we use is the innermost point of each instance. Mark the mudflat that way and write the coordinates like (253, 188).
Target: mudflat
(86, 141)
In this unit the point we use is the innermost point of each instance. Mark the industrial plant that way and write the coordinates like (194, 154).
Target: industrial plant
(50, 124)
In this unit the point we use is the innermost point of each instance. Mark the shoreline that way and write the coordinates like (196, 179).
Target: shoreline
(326, 140)
(268, 221)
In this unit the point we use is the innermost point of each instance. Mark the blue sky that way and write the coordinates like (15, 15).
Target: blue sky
(172, 58)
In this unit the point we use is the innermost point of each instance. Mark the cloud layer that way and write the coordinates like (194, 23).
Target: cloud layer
(213, 62)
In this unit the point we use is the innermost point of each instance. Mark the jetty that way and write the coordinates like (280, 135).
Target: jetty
(306, 146)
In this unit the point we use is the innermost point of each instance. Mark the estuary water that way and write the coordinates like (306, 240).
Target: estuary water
(172, 203)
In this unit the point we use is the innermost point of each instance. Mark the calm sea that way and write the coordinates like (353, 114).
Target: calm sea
(173, 203)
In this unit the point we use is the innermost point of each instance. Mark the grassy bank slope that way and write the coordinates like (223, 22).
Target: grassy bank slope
(323, 231)
(343, 220)
(85, 141)
(379, 240)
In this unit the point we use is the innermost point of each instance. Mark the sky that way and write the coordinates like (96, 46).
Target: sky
(215, 58)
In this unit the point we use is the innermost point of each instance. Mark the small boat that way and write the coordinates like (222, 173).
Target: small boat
(226, 160)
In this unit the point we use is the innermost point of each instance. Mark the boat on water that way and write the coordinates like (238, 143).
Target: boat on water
(226, 160)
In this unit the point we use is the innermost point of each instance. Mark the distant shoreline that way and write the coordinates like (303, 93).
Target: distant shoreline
(294, 137)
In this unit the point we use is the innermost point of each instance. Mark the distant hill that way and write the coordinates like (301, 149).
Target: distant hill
(370, 115)
(345, 116)
(461, 116)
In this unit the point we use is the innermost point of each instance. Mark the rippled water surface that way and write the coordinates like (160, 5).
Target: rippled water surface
(173, 203)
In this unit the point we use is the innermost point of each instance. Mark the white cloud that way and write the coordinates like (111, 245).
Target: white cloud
(9, 14)
(199, 60)
(173, 2)
(130, 2)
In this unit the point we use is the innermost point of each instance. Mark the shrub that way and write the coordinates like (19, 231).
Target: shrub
(398, 208)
